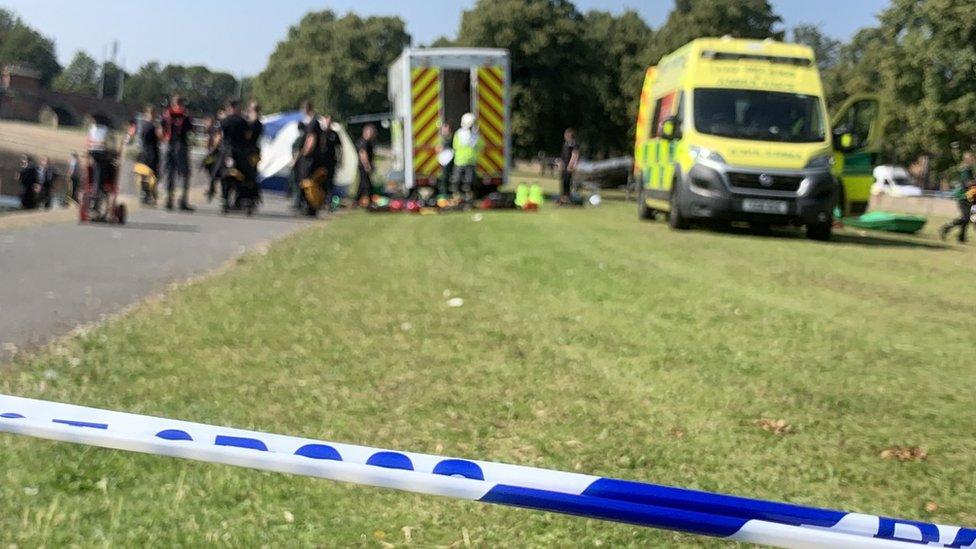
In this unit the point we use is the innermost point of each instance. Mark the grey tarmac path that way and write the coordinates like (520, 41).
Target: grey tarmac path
(55, 277)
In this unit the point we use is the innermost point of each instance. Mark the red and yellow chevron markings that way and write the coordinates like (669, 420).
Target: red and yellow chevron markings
(426, 94)
(491, 121)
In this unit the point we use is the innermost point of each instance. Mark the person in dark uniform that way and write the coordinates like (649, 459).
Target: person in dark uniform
(967, 176)
(364, 149)
(255, 124)
(255, 131)
(569, 160)
(331, 151)
(296, 153)
(177, 127)
(236, 142)
(46, 178)
(310, 156)
(29, 185)
(149, 137)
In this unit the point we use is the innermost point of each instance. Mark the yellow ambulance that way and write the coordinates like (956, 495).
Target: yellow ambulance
(737, 130)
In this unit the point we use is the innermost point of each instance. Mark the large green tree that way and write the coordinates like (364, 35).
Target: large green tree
(147, 85)
(340, 63)
(204, 89)
(617, 47)
(80, 76)
(920, 60)
(692, 19)
(834, 59)
(927, 74)
(85, 76)
(550, 64)
(856, 67)
(825, 48)
(22, 45)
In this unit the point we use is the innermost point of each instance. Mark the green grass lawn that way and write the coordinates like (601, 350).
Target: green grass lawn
(588, 341)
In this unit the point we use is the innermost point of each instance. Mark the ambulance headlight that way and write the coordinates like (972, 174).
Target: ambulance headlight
(701, 153)
(821, 162)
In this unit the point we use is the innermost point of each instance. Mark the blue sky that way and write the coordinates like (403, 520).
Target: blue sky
(199, 34)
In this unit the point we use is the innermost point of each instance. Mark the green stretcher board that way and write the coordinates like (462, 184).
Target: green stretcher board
(887, 221)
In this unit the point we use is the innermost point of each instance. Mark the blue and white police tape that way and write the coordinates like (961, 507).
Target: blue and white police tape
(731, 517)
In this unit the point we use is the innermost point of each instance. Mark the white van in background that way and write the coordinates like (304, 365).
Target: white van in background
(894, 181)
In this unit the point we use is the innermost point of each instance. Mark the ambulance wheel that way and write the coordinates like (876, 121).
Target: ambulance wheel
(819, 231)
(643, 212)
(676, 220)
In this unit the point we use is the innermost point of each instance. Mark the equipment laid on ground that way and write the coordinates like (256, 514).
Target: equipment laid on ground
(605, 174)
(146, 182)
(436, 86)
(723, 516)
(238, 191)
(100, 196)
(313, 188)
(498, 201)
(529, 197)
(737, 130)
(887, 221)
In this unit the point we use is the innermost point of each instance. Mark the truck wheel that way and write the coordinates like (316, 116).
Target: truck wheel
(819, 231)
(643, 212)
(676, 220)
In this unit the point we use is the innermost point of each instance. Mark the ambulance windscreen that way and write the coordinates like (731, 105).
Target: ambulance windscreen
(759, 115)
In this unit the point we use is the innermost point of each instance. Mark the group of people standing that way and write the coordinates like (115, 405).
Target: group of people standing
(317, 153)
(174, 128)
(229, 135)
(233, 142)
(459, 153)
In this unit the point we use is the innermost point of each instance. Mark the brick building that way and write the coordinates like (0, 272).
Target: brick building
(23, 98)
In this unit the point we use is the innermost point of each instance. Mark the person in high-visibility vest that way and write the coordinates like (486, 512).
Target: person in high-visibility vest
(467, 147)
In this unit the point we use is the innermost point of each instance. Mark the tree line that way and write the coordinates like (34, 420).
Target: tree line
(569, 69)
(152, 83)
(582, 70)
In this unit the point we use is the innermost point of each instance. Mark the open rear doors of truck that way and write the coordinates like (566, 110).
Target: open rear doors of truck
(436, 86)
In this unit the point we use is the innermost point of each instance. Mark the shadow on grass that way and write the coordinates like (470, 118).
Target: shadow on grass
(841, 238)
(891, 242)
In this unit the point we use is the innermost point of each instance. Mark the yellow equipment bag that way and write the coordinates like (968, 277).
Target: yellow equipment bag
(312, 187)
(145, 172)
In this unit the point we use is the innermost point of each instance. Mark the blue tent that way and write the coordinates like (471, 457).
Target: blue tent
(280, 132)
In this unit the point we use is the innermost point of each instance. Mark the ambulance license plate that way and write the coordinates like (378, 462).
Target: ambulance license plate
(756, 205)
